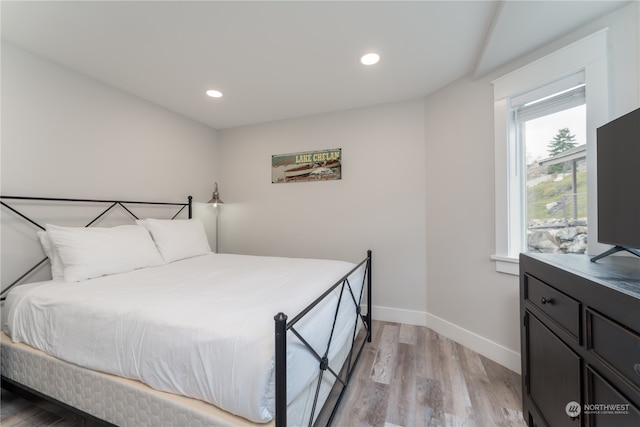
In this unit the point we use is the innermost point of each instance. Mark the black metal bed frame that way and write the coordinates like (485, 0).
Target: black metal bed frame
(342, 376)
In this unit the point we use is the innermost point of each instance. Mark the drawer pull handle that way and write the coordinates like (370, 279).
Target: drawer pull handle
(544, 300)
(636, 368)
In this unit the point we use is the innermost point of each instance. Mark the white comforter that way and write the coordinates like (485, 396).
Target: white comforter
(202, 327)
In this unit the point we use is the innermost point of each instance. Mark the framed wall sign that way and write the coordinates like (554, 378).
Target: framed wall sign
(321, 165)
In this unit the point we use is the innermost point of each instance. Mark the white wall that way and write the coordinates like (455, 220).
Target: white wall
(378, 204)
(417, 188)
(66, 135)
(466, 298)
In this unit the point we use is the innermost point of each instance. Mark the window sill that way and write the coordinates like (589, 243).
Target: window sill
(506, 265)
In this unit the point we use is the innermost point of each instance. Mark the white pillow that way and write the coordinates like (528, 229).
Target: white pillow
(179, 238)
(57, 267)
(93, 252)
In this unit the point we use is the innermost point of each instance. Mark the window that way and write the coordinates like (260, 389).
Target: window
(548, 131)
(544, 189)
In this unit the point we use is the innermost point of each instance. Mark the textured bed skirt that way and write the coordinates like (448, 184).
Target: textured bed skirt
(125, 402)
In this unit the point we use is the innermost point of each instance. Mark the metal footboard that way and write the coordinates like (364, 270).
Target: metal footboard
(343, 376)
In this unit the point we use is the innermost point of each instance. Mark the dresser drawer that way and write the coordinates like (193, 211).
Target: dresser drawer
(559, 307)
(605, 406)
(615, 344)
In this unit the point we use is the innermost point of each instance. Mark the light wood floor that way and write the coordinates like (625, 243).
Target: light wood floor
(413, 376)
(410, 376)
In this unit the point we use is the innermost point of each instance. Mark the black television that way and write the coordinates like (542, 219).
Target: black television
(618, 150)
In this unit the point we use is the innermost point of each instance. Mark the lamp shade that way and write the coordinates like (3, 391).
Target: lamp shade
(215, 199)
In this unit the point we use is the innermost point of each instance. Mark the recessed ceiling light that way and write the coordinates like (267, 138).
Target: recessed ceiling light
(214, 93)
(370, 59)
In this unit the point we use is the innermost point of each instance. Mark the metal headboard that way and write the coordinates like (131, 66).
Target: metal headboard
(111, 203)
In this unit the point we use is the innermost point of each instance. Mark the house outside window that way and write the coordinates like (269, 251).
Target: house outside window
(545, 120)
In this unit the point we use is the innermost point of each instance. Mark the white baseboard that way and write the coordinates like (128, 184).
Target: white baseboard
(396, 315)
(492, 350)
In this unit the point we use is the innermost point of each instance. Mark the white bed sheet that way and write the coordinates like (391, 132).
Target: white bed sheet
(201, 327)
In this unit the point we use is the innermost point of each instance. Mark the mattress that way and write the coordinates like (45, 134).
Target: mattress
(218, 347)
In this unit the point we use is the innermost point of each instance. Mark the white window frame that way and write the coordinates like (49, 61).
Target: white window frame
(588, 55)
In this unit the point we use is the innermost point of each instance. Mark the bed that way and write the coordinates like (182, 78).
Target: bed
(169, 333)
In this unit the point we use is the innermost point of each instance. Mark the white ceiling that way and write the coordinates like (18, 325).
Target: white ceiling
(277, 60)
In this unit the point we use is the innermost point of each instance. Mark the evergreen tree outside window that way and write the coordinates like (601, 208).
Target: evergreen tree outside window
(560, 143)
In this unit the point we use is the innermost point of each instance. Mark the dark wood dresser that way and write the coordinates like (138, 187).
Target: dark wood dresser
(580, 340)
